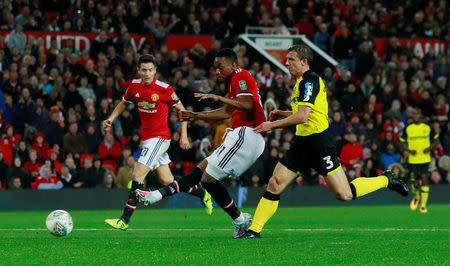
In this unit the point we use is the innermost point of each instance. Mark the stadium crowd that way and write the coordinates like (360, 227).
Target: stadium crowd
(52, 101)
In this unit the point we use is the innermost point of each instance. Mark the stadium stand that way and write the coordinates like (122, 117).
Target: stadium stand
(55, 91)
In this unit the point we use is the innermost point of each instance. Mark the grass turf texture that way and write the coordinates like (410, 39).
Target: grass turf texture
(350, 235)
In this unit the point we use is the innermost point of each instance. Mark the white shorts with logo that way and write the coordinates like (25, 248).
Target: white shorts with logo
(154, 153)
(237, 153)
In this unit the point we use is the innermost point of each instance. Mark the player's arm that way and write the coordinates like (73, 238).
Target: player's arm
(120, 108)
(294, 119)
(244, 103)
(184, 141)
(279, 114)
(217, 114)
(434, 139)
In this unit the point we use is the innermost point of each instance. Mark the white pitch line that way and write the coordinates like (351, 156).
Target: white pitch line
(229, 229)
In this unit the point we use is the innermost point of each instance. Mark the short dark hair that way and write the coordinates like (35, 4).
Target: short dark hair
(228, 53)
(146, 58)
(303, 52)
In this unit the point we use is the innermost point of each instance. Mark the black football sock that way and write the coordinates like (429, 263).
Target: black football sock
(131, 204)
(183, 184)
(220, 195)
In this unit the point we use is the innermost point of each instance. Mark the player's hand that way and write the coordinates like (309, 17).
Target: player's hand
(186, 116)
(413, 152)
(427, 150)
(184, 143)
(263, 127)
(107, 124)
(204, 96)
(275, 115)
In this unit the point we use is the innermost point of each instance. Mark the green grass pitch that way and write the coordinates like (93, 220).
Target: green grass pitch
(351, 235)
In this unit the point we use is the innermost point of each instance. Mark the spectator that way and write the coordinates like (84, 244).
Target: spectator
(4, 169)
(124, 173)
(17, 170)
(390, 156)
(41, 147)
(69, 180)
(33, 165)
(352, 152)
(47, 180)
(322, 38)
(21, 151)
(74, 142)
(15, 183)
(109, 181)
(110, 149)
(17, 39)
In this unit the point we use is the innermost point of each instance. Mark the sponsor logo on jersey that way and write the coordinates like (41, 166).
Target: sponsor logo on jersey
(174, 96)
(146, 105)
(155, 97)
(308, 91)
(243, 85)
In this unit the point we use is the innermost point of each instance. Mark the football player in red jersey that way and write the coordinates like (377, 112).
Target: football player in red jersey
(241, 148)
(152, 99)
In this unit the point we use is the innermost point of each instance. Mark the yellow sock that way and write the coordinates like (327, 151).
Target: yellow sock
(415, 191)
(424, 196)
(366, 185)
(267, 207)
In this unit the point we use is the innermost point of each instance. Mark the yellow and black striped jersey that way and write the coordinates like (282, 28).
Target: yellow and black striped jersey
(310, 90)
(418, 137)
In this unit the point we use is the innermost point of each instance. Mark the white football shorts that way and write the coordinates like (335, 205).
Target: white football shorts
(238, 152)
(154, 153)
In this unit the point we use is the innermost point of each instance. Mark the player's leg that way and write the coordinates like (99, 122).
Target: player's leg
(424, 189)
(166, 178)
(183, 184)
(138, 176)
(342, 190)
(268, 204)
(415, 187)
(240, 150)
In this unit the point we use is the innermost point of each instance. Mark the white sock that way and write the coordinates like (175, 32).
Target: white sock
(240, 219)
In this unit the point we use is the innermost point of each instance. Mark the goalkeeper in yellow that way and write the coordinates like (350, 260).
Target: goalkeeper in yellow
(419, 139)
(313, 146)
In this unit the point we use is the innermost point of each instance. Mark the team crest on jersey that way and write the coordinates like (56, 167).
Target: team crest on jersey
(243, 85)
(174, 96)
(155, 97)
(308, 91)
(146, 105)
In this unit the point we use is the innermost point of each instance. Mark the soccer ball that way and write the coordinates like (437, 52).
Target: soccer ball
(59, 223)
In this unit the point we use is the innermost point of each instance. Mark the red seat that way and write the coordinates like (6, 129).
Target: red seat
(187, 166)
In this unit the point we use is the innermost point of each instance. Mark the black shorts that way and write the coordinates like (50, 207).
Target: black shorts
(317, 151)
(417, 170)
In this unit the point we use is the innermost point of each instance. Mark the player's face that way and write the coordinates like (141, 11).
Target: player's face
(294, 64)
(146, 72)
(416, 116)
(224, 68)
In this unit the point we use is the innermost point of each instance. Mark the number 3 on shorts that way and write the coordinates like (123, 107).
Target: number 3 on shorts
(328, 161)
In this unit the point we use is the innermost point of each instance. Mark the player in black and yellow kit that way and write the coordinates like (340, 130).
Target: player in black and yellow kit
(313, 145)
(418, 139)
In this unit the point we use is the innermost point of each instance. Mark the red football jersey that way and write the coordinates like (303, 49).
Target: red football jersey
(153, 103)
(243, 83)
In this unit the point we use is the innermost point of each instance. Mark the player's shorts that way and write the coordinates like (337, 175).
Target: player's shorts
(317, 151)
(417, 170)
(238, 152)
(154, 153)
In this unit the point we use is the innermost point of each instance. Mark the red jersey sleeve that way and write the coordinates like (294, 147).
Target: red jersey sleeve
(171, 96)
(128, 95)
(244, 84)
